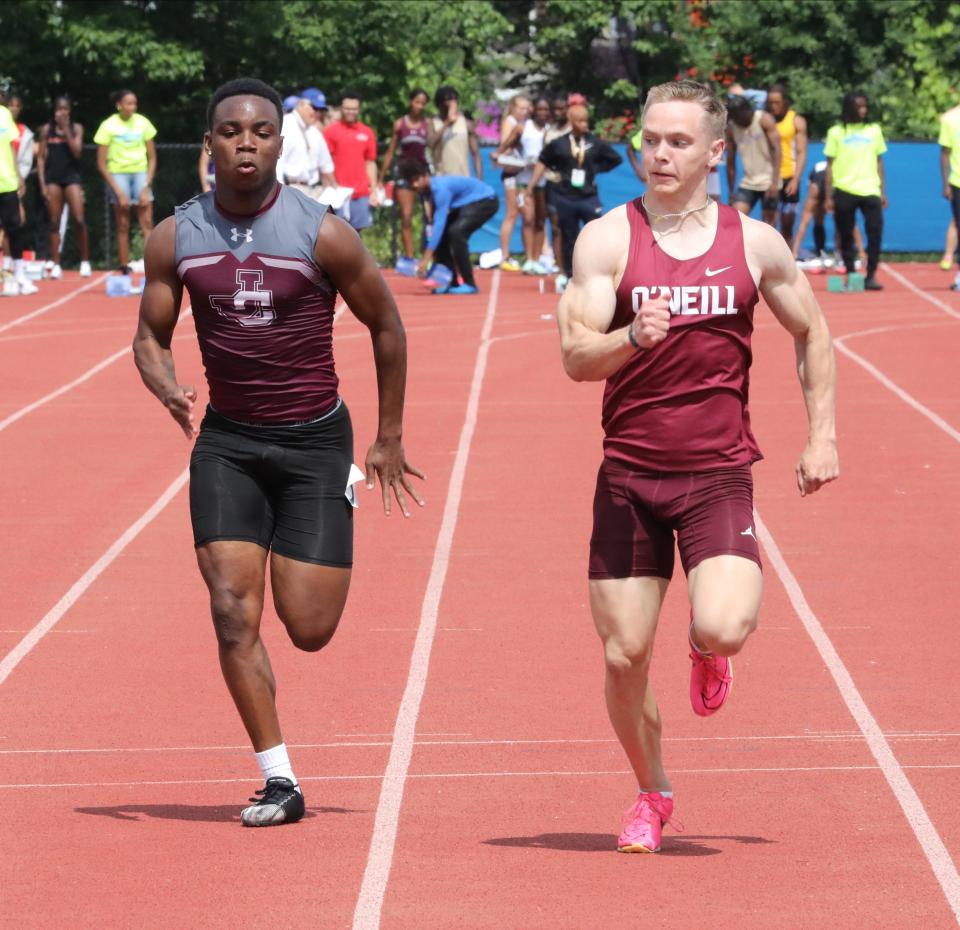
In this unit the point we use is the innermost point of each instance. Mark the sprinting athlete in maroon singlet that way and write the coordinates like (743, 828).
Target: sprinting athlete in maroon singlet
(272, 467)
(661, 307)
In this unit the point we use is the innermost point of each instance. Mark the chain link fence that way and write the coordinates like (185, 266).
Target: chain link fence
(176, 181)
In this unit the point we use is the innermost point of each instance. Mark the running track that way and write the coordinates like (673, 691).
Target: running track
(458, 766)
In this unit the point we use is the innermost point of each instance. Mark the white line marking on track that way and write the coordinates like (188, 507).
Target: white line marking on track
(64, 388)
(57, 303)
(910, 286)
(851, 736)
(926, 833)
(908, 399)
(780, 769)
(20, 651)
(366, 916)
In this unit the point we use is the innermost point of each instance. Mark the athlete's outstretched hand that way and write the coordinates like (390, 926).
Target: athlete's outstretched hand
(180, 404)
(652, 322)
(386, 459)
(818, 466)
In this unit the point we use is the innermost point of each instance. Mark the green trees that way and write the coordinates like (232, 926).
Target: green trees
(173, 52)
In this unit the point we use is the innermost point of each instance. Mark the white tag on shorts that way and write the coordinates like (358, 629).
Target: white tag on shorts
(355, 476)
(578, 177)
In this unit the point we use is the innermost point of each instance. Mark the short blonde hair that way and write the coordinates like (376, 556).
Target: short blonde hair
(692, 92)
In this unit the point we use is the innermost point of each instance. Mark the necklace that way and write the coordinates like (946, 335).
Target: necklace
(681, 215)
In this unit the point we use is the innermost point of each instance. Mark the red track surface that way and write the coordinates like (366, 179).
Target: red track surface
(123, 764)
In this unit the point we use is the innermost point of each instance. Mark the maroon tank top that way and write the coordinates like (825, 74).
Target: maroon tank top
(682, 406)
(262, 306)
(413, 140)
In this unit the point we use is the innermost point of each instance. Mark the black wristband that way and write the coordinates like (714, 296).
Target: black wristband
(633, 339)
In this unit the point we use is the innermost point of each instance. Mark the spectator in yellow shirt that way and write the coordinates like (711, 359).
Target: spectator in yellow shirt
(949, 142)
(127, 159)
(855, 181)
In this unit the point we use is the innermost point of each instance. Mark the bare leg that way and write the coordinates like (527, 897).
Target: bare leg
(725, 595)
(55, 210)
(509, 220)
(74, 196)
(625, 613)
(539, 222)
(950, 244)
(309, 599)
(234, 572)
(406, 199)
(145, 219)
(121, 217)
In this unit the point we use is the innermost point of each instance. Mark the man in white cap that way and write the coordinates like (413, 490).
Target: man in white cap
(305, 161)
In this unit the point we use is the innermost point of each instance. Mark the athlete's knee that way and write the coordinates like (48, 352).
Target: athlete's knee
(627, 656)
(311, 634)
(726, 634)
(236, 618)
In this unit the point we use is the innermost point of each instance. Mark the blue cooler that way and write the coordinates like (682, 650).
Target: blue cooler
(406, 266)
(440, 275)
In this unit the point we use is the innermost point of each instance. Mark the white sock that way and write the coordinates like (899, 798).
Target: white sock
(275, 763)
(663, 794)
(19, 272)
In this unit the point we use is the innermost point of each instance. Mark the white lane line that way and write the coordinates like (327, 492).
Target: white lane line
(57, 303)
(908, 399)
(853, 736)
(20, 651)
(64, 388)
(366, 916)
(926, 833)
(910, 286)
(779, 769)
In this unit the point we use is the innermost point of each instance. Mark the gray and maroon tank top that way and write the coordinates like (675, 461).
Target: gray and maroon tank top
(413, 140)
(682, 406)
(263, 307)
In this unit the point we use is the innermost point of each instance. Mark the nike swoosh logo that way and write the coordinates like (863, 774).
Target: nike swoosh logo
(709, 273)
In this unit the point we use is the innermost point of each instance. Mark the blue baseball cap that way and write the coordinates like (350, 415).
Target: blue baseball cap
(316, 97)
(290, 103)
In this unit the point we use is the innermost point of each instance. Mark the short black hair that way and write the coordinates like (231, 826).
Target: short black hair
(349, 93)
(739, 105)
(418, 92)
(118, 95)
(244, 87)
(444, 93)
(410, 170)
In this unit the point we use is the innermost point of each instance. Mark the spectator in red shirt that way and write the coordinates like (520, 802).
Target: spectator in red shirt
(353, 146)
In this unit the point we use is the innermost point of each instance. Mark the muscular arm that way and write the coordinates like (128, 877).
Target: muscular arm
(42, 161)
(151, 161)
(731, 164)
(474, 144)
(388, 155)
(769, 125)
(586, 309)
(159, 311)
(802, 142)
(788, 294)
(75, 140)
(883, 181)
(342, 255)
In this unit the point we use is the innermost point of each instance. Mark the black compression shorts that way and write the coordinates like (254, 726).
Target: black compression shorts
(281, 487)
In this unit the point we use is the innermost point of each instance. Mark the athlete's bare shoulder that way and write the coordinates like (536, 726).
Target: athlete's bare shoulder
(160, 253)
(766, 251)
(603, 244)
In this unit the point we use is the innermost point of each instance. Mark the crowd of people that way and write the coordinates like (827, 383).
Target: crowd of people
(546, 185)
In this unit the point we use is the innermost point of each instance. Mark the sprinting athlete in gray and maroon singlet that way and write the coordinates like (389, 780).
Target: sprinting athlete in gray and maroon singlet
(271, 472)
(661, 307)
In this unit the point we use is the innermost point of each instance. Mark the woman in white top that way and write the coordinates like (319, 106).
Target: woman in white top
(533, 201)
(507, 157)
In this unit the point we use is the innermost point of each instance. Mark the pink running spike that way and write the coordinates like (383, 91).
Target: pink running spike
(711, 679)
(643, 823)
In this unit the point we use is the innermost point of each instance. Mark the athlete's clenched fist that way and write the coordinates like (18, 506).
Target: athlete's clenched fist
(652, 322)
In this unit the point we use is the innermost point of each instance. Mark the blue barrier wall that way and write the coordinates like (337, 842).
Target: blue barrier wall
(915, 221)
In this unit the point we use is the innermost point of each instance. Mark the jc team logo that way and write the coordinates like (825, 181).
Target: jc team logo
(249, 304)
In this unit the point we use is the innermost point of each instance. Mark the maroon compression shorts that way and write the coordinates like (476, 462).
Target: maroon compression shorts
(636, 514)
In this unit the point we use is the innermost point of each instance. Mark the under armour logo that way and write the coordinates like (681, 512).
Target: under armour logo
(236, 235)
